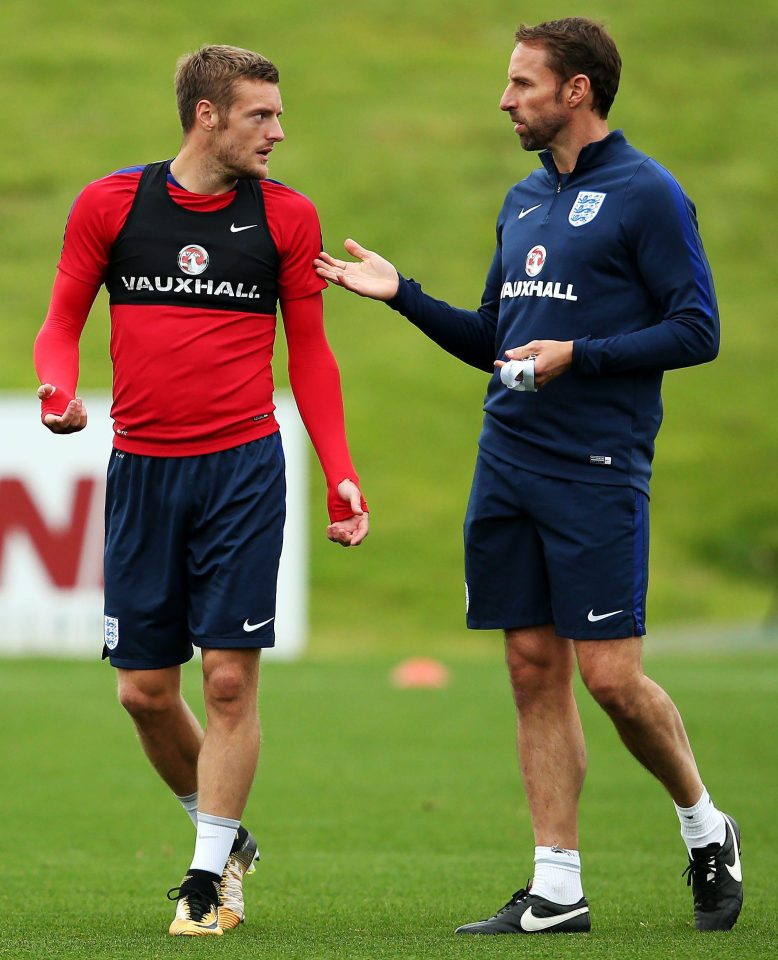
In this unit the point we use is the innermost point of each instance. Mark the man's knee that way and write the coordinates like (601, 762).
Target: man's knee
(612, 674)
(615, 693)
(538, 663)
(231, 685)
(146, 694)
(225, 685)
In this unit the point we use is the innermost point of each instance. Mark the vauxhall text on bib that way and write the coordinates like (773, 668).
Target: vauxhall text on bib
(166, 254)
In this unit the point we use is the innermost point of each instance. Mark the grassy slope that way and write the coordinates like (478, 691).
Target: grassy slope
(385, 817)
(393, 128)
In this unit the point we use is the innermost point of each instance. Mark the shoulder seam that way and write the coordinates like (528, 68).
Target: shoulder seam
(296, 193)
(627, 187)
(136, 168)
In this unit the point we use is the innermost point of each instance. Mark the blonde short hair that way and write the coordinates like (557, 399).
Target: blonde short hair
(211, 73)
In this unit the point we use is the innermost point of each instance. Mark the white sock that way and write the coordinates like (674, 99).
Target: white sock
(557, 875)
(190, 805)
(215, 836)
(701, 824)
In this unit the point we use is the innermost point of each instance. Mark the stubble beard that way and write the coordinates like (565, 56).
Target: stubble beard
(542, 134)
(544, 131)
(232, 167)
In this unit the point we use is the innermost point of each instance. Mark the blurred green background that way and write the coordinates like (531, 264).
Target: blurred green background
(393, 130)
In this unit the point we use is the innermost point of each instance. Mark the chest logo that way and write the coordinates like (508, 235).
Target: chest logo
(193, 259)
(586, 207)
(535, 260)
(523, 213)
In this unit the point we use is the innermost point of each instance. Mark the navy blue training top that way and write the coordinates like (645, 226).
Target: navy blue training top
(608, 256)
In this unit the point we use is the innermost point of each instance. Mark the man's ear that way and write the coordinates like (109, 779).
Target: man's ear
(579, 88)
(206, 115)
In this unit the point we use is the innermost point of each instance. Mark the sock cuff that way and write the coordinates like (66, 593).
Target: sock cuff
(557, 875)
(215, 821)
(559, 857)
(190, 798)
(698, 807)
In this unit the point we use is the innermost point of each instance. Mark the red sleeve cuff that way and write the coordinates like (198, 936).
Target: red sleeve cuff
(56, 404)
(338, 509)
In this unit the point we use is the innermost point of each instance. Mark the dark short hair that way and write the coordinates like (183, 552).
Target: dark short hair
(577, 45)
(211, 73)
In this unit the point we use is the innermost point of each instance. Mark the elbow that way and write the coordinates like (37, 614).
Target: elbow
(711, 342)
(701, 340)
(704, 353)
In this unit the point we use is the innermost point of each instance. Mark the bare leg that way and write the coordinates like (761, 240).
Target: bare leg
(228, 758)
(551, 746)
(645, 717)
(169, 732)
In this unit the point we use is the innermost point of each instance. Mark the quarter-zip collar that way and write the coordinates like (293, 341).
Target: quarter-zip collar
(592, 155)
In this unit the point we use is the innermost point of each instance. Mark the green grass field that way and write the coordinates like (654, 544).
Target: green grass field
(385, 818)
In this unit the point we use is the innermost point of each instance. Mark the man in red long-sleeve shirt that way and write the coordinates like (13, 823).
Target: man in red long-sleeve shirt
(196, 253)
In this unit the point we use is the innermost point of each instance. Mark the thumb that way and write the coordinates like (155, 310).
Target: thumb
(356, 250)
(349, 491)
(46, 390)
(356, 502)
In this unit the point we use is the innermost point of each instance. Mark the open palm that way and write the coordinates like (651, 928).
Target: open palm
(371, 276)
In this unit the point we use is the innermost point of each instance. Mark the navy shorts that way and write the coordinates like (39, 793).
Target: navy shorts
(540, 550)
(192, 546)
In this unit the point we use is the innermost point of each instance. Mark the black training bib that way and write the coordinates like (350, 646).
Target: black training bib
(166, 254)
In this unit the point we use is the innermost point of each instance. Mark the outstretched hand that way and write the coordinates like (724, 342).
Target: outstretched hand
(71, 421)
(350, 532)
(371, 277)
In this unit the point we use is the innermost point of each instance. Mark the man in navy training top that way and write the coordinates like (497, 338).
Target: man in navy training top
(196, 253)
(600, 274)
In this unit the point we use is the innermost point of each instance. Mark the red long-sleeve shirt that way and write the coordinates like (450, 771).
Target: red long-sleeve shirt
(189, 380)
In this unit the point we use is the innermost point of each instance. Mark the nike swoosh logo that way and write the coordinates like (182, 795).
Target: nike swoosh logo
(735, 870)
(532, 924)
(594, 617)
(524, 212)
(251, 627)
(234, 229)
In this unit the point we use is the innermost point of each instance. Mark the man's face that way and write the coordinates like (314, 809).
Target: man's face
(246, 135)
(533, 98)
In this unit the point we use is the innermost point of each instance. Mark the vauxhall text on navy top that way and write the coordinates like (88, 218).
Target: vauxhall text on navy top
(608, 256)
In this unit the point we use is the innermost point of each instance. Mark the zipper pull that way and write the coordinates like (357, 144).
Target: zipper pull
(559, 186)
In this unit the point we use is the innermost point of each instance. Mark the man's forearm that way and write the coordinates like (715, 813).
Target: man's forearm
(56, 346)
(466, 334)
(315, 381)
(670, 345)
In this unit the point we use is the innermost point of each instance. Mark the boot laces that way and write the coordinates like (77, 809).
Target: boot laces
(703, 872)
(516, 898)
(196, 903)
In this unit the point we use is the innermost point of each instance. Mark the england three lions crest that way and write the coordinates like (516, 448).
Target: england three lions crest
(586, 207)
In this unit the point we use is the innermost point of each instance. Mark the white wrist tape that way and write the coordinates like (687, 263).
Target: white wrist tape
(519, 375)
